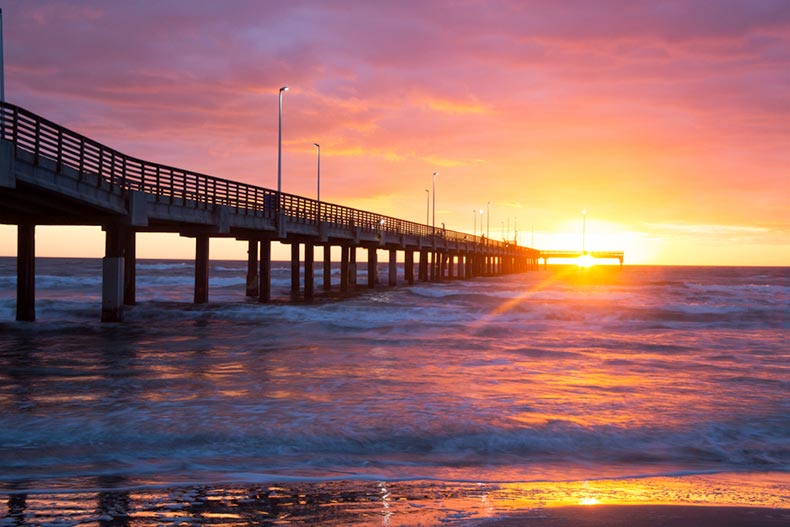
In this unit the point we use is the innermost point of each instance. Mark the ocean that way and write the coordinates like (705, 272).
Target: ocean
(433, 404)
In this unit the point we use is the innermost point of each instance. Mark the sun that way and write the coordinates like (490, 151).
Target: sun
(585, 261)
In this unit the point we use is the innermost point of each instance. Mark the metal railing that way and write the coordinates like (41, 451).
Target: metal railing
(104, 166)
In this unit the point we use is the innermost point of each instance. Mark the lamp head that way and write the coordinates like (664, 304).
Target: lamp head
(284, 88)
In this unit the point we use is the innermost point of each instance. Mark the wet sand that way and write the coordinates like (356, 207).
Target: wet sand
(647, 516)
(377, 504)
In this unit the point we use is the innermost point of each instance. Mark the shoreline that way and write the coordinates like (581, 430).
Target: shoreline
(646, 516)
(731, 499)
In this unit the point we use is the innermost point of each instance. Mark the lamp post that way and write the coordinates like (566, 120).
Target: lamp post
(427, 206)
(474, 213)
(584, 229)
(434, 202)
(280, 145)
(488, 220)
(318, 184)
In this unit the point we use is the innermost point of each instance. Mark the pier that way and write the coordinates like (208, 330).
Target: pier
(50, 175)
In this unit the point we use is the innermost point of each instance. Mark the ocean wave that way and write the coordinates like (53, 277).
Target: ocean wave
(88, 445)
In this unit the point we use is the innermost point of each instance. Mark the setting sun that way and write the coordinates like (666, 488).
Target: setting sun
(585, 261)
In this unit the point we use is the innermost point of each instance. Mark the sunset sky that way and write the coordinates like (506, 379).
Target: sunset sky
(668, 121)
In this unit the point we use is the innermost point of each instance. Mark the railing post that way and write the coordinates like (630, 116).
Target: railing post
(123, 173)
(158, 190)
(82, 158)
(37, 147)
(112, 169)
(101, 167)
(59, 161)
(15, 131)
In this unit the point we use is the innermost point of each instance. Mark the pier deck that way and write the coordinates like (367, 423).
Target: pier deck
(50, 175)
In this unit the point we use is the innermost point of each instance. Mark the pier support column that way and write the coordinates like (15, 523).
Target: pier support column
(408, 267)
(344, 268)
(252, 268)
(432, 265)
(352, 267)
(26, 272)
(327, 267)
(423, 266)
(393, 269)
(112, 276)
(309, 278)
(450, 266)
(201, 268)
(294, 268)
(265, 272)
(130, 268)
(443, 257)
(372, 267)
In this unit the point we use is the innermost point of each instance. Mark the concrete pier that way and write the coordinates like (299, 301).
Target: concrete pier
(372, 267)
(294, 268)
(352, 267)
(308, 271)
(252, 268)
(26, 273)
(408, 267)
(130, 268)
(327, 284)
(392, 279)
(423, 266)
(265, 272)
(112, 275)
(345, 268)
(201, 268)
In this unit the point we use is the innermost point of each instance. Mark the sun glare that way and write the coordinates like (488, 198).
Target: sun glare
(585, 261)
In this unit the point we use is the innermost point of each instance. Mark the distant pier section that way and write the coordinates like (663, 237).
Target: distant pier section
(50, 175)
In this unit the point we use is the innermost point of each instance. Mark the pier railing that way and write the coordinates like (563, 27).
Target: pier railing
(98, 163)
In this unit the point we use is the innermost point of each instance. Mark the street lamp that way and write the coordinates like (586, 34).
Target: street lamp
(427, 206)
(318, 184)
(474, 213)
(584, 229)
(488, 220)
(434, 201)
(280, 145)
(318, 189)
